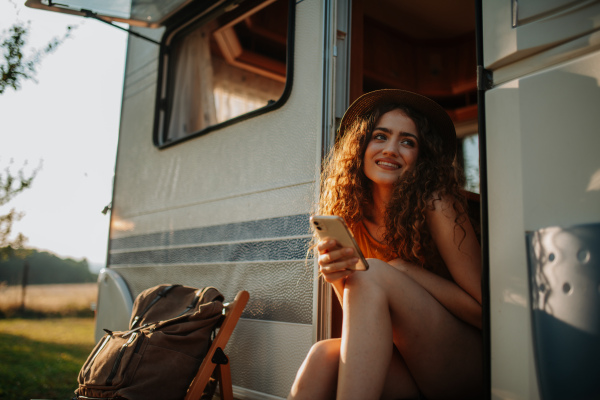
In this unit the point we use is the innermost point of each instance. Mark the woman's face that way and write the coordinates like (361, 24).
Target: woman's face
(393, 149)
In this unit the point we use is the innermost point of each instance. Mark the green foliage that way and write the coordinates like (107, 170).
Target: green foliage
(44, 268)
(16, 66)
(11, 185)
(41, 359)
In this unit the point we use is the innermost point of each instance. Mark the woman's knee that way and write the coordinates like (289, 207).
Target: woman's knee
(325, 352)
(375, 284)
(375, 276)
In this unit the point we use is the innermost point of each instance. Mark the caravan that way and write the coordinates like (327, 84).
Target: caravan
(230, 105)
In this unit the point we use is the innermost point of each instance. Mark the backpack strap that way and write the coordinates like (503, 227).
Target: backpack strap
(159, 296)
(192, 304)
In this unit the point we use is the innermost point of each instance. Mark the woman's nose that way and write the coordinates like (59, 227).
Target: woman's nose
(390, 148)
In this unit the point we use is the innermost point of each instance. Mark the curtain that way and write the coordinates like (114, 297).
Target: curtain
(193, 106)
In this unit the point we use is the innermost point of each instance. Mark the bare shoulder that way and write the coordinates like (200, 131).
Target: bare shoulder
(444, 206)
(446, 217)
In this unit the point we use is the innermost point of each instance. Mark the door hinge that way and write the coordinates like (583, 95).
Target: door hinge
(485, 80)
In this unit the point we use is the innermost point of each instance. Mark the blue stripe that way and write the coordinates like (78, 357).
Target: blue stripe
(293, 225)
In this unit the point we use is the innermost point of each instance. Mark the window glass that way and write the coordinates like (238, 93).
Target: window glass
(470, 146)
(223, 69)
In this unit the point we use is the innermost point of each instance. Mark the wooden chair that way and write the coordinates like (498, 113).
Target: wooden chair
(215, 358)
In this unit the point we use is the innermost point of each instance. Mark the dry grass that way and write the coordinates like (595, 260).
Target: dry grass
(51, 300)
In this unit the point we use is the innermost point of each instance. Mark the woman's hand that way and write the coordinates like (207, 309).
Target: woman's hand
(335, 260)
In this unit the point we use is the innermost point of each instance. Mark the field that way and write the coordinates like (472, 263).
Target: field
(49, 300)
(41, 357)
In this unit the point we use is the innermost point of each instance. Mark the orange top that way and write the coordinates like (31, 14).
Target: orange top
(370, 247)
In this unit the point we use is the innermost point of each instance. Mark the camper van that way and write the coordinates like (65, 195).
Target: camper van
(229, 107)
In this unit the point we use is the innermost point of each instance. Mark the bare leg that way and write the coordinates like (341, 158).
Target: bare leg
(443, 354)
(399, 384)
(317, 377)
(367, 342)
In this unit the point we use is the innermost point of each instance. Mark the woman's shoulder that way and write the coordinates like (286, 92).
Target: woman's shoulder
(442, 201)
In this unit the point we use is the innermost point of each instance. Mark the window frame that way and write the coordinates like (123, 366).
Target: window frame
(177, 27)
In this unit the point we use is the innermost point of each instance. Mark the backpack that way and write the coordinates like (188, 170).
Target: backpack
(157, 358)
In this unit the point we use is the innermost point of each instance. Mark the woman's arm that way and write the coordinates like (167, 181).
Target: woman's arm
(449, 294)
(460, 250)
(462, 255)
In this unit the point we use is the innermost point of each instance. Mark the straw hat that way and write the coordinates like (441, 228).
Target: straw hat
(429, 108)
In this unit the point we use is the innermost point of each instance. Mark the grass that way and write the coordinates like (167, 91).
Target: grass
(71, 300)
(41, 358)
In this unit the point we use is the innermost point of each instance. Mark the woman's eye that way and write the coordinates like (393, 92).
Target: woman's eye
(379, 136)
(408, 142)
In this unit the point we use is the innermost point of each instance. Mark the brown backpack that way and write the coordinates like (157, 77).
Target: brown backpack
(157, 358)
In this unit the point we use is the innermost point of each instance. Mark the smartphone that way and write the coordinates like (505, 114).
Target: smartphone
(333, 227)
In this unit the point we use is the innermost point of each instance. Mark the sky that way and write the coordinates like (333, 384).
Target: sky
(67, 122)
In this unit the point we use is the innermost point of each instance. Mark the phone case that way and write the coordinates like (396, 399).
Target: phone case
(329, 226)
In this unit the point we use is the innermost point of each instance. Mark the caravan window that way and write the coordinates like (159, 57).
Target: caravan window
(223, 68)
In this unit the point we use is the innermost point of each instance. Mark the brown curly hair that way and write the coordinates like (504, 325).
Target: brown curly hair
(346, 191)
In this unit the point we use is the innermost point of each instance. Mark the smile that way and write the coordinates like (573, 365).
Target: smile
(388, 164)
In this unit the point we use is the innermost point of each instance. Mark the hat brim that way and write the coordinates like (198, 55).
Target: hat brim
(435, 113)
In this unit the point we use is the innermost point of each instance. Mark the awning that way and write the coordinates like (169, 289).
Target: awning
(143, 13)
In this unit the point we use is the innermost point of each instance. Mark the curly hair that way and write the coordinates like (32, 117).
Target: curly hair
(346, 190)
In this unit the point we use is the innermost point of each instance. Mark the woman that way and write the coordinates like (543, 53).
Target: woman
(412, 322)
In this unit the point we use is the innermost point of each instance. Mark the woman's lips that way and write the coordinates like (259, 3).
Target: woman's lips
(388, 164)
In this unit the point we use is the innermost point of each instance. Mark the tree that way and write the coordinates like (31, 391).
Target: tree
(45, 268)
(10, 186)
(16, 67)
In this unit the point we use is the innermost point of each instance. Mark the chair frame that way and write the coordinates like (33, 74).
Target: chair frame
(216, 360)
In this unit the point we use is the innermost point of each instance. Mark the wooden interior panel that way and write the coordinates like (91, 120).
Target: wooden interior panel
(427, 48)
(254, 38)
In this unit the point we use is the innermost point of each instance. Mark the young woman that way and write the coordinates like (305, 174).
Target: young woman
(411, 326)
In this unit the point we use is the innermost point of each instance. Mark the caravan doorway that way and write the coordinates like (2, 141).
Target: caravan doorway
(427, 47)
